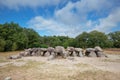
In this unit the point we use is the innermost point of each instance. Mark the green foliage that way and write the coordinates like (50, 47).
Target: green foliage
(93, 39)
(115, 38)
(2, 44)
(8, 45)
(14, 46)
(32, 37)
(13, 37)
(97, 39)
(56, 41)
(82, 40)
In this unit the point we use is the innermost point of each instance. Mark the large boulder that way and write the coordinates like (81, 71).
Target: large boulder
(95, 52)
(47, 54)
(60, 51)
(50, 49)
(92, 54)
(99, 52)
(65, 54)
(22, 53)
(27, 52)
(79, 52)
(98, 48)
(71, 51)
(88, 51)
(38, 53)
(43, 51)
(74, 54)
(52, 56)
(33, 52)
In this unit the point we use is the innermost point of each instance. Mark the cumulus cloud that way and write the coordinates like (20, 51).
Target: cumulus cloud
(68, 14)
(110, 22)
(15, 4)
(79, 14)
(73, 18)
(76, 13)
(52, 27)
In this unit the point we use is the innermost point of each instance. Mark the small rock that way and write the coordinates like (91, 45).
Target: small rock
(14, 57)
(8, 78)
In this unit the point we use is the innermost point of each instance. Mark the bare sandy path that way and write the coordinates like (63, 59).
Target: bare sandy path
(77, 68)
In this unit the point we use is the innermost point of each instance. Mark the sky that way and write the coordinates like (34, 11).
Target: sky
(62, 17)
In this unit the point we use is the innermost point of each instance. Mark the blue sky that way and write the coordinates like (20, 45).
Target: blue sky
(62, 17)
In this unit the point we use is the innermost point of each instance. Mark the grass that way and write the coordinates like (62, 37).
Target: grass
(6, 54)
(19, 71)
(27, 72)
(32, 64)
(82, 65)
(95, 75)
(37, 70)
(112, 51)
(109, 60)
(28, 65)
(2, 60)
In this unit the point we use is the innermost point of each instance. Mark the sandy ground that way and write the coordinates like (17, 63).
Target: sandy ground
(77, 68)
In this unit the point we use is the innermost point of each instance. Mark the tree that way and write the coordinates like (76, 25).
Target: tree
(33, 38)
(2, 44)
(14, 46)
(8, 45)
(97, 38)
(21, 41)
(92, 39)
(18, 38)
(14, 37)
(82, 40)
(115, 38)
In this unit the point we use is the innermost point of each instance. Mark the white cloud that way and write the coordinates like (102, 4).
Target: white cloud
(72, 19)
(15, 4)
(76, 13)
(52, 27)
(67, 14)
(110, 22)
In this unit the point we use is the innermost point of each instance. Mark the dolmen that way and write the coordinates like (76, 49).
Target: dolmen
(95, 52)
(52, 53)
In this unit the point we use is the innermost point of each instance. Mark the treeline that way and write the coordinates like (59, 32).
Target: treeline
(13, 37)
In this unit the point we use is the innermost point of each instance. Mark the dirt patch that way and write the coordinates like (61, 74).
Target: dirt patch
(39, 68)
(95, 75)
